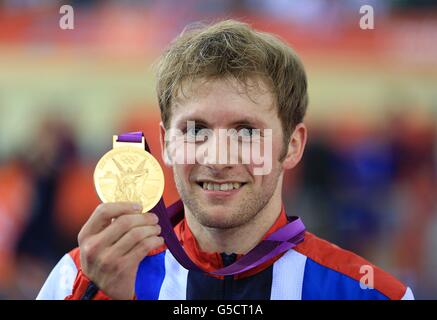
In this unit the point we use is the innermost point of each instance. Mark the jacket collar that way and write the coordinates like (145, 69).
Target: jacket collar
(211, 261)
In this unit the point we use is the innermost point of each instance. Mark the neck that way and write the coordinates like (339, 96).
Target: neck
(240, 239)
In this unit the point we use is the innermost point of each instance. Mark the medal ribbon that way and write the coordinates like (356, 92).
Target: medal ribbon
(278, 242)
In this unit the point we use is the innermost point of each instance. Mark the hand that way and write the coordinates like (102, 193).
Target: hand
(113, 242)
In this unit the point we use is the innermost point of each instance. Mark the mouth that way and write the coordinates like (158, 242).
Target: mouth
(220, 187)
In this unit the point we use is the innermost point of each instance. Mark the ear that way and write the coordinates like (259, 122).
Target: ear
(164, 153)
(296, 147)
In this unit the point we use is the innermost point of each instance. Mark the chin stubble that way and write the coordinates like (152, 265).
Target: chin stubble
(248, 208)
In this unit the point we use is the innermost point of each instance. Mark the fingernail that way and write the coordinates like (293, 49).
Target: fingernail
(155, 217)
(136, 207)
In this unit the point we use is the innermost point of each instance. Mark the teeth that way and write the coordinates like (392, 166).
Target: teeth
(224, 187)
(221, 186)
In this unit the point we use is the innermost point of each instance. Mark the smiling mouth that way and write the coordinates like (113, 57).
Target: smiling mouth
(225, 186)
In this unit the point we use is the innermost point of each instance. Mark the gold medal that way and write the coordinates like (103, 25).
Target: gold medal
(129, 173)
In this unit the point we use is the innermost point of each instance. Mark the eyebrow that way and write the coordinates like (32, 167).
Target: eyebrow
(184, 120)
(251, 121)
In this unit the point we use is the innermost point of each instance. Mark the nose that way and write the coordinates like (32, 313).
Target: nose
(218, 152)
(218, 169)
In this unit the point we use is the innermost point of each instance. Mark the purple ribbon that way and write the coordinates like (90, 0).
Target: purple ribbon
(278, 242)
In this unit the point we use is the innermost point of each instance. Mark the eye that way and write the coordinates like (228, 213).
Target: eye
(247, 131)
(193, 131)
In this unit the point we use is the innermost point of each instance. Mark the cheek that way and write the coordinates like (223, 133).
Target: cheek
(264, 156)
(181, 152)
(263, 183)
(277, 150)
(183, 172)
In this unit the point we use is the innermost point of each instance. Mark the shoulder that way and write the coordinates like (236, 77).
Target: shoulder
(332, 272)
(59, 283)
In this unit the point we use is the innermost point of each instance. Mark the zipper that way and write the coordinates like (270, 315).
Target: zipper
(228, 259)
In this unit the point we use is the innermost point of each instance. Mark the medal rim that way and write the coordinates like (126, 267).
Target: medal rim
(136, 150)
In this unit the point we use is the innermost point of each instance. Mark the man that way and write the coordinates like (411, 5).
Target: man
(225, 76)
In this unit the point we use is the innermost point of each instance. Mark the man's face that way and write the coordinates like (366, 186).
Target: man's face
(221, 104)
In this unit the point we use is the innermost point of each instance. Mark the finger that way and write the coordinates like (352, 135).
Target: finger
(120, 226)
(104, 214)
(142, 249)
(134, 236)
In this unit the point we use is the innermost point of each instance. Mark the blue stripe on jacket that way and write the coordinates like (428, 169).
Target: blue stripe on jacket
(322, 283)
(150, 275)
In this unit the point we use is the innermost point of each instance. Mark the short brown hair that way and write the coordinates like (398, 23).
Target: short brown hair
(233, 49)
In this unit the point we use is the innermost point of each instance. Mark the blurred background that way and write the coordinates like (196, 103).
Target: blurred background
(368, 178)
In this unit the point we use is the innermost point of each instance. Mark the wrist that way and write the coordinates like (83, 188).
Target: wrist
(85, 289)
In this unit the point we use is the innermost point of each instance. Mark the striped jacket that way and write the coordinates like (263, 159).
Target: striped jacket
(314, 269)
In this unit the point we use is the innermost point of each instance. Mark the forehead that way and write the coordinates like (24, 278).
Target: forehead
(224, 102)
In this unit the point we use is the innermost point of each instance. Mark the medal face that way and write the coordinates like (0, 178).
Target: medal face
(129, 174)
